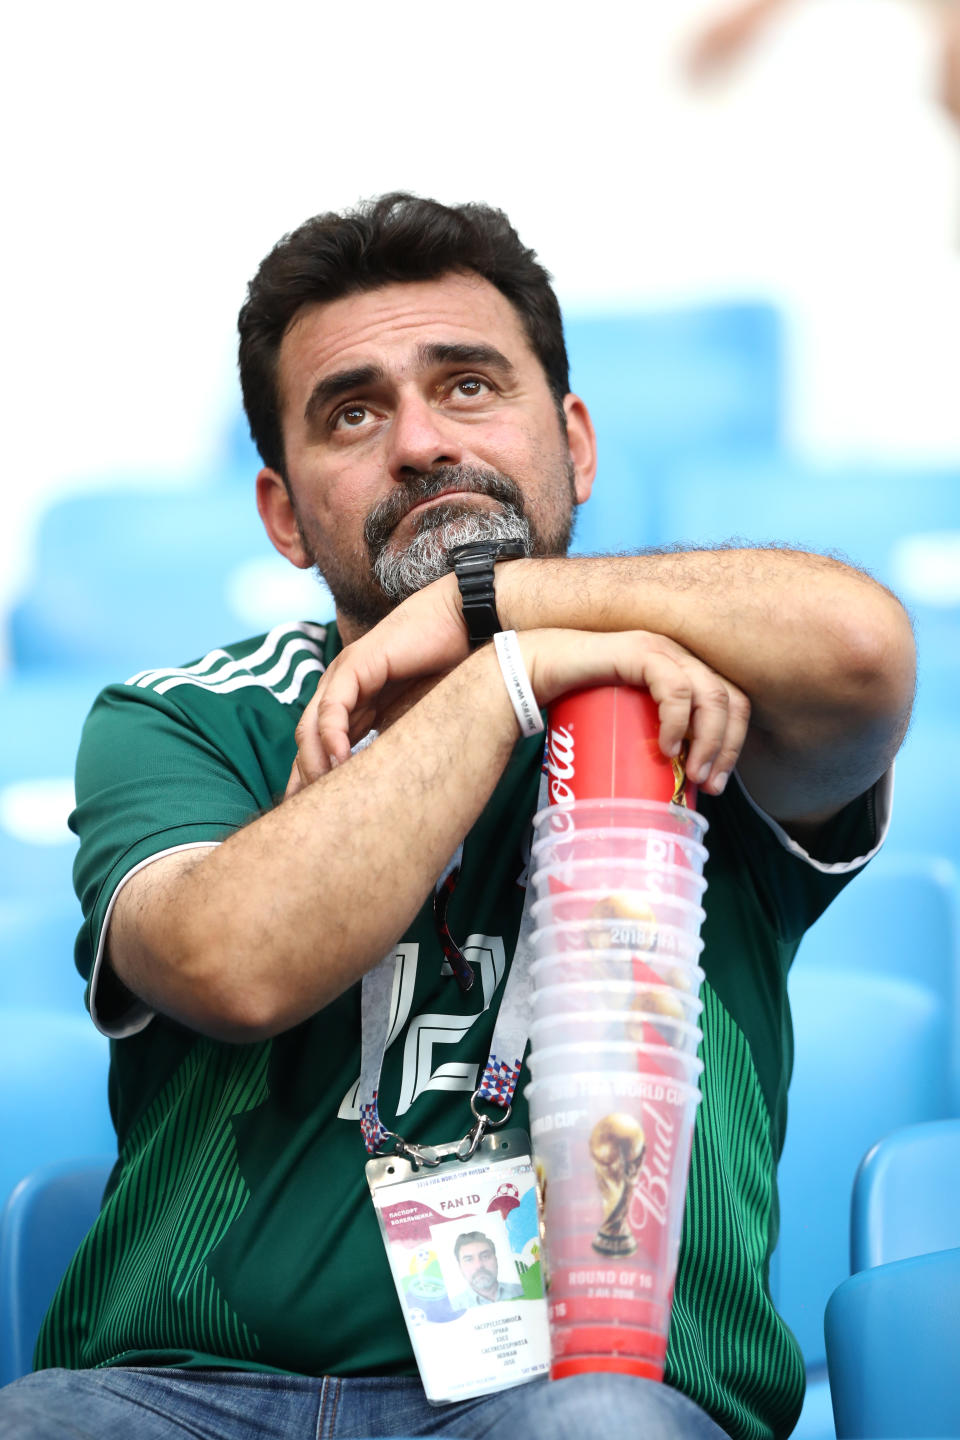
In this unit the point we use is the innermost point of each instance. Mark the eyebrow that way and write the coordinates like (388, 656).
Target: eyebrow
(464, 354)
(359, 377)
(331, 387)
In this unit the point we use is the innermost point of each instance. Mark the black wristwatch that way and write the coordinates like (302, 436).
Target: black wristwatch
(473, 566)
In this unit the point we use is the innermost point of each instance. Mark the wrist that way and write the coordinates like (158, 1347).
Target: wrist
(511, 577)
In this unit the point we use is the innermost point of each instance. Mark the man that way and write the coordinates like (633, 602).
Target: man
(245, 862)
(477, 1257)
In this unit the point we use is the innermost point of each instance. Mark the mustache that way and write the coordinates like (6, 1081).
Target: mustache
(456, 479)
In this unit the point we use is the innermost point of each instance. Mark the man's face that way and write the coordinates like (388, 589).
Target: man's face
(478, 1262)
(416, 416)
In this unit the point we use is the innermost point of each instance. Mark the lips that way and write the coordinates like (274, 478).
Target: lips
(425, 490)
(445, 495)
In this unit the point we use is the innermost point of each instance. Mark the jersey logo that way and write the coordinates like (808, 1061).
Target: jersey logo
(426, 1033)
(281, 664)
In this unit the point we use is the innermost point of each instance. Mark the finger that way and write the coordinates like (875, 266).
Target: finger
(708, 723)
(355, 685)
(333, 726)
(738, 722)
(312, 757)
(295, 783)
(670, 686)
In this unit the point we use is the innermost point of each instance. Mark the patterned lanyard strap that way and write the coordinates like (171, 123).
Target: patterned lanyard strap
(502, 1071)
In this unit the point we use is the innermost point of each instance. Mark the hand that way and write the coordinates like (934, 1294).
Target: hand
(696, 704)
(379, 677)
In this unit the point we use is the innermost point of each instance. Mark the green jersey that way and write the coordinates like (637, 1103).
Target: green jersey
(237, 1228)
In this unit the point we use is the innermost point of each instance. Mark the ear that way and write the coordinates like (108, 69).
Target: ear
(279, 519)
(582, 441)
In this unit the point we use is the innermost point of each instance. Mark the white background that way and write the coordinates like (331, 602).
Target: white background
(155, 153)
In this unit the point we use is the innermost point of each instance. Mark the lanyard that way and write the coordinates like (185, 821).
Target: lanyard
(502, 1071)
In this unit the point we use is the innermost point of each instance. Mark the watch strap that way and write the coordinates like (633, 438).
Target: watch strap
(473, 566)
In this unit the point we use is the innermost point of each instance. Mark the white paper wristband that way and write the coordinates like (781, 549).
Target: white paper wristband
(517, 681)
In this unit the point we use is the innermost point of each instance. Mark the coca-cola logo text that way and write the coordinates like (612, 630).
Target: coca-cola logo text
(560, 765)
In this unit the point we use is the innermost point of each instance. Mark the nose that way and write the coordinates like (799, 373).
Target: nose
(421, 439)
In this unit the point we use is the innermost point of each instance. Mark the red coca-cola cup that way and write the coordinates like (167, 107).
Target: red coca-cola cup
(603, 744)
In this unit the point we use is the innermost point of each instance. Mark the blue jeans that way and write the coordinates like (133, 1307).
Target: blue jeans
(170, 1404)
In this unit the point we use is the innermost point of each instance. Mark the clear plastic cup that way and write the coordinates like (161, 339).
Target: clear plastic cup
(593, 967)
(612, 1152)
(610, 1027)
(622, 911)
(620, 877)
(558, 821)
(627, 936)
(586, 997)
(587, 1057)
(657, 847)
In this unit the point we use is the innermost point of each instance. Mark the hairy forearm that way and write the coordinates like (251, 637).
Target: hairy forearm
(809, 640)
(291, 910)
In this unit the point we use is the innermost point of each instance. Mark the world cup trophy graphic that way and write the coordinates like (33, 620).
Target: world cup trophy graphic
(617, 1147)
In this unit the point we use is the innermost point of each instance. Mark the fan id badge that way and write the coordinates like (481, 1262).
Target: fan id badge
(463, 1243)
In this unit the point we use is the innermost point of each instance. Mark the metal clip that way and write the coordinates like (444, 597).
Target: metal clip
(419, 1154)
(475, 1134)
(469, 1144)
(416, 1154)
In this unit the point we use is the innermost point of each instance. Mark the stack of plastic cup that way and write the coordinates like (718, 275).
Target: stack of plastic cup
(614, 1039)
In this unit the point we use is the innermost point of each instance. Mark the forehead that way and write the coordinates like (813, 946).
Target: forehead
(474, 1247)
(386, 325)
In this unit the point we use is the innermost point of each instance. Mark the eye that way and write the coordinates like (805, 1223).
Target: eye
(351, 417)
(472, 387)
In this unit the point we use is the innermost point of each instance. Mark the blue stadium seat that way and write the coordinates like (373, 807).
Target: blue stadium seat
(36, 868)
(36, 954)
(684, 379)
(45, 1218)
(894, 521)
(900, 919)
(872, 995)
(126, 579)
(891, 1340)
(664, 386)
(872, 1054)
(865, 511)
(902, 524)
(905, 1195)
(41, 718)
(53, 1091)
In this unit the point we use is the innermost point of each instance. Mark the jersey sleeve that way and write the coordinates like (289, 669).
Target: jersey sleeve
(792, 884)
(148, 783)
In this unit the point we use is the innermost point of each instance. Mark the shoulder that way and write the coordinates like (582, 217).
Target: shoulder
(278, 664)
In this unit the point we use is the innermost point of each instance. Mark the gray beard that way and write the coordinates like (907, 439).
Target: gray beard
(394, 574)
(401, 574)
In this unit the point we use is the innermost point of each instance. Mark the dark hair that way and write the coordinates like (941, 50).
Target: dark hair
(396, 237)
(471, 1237)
